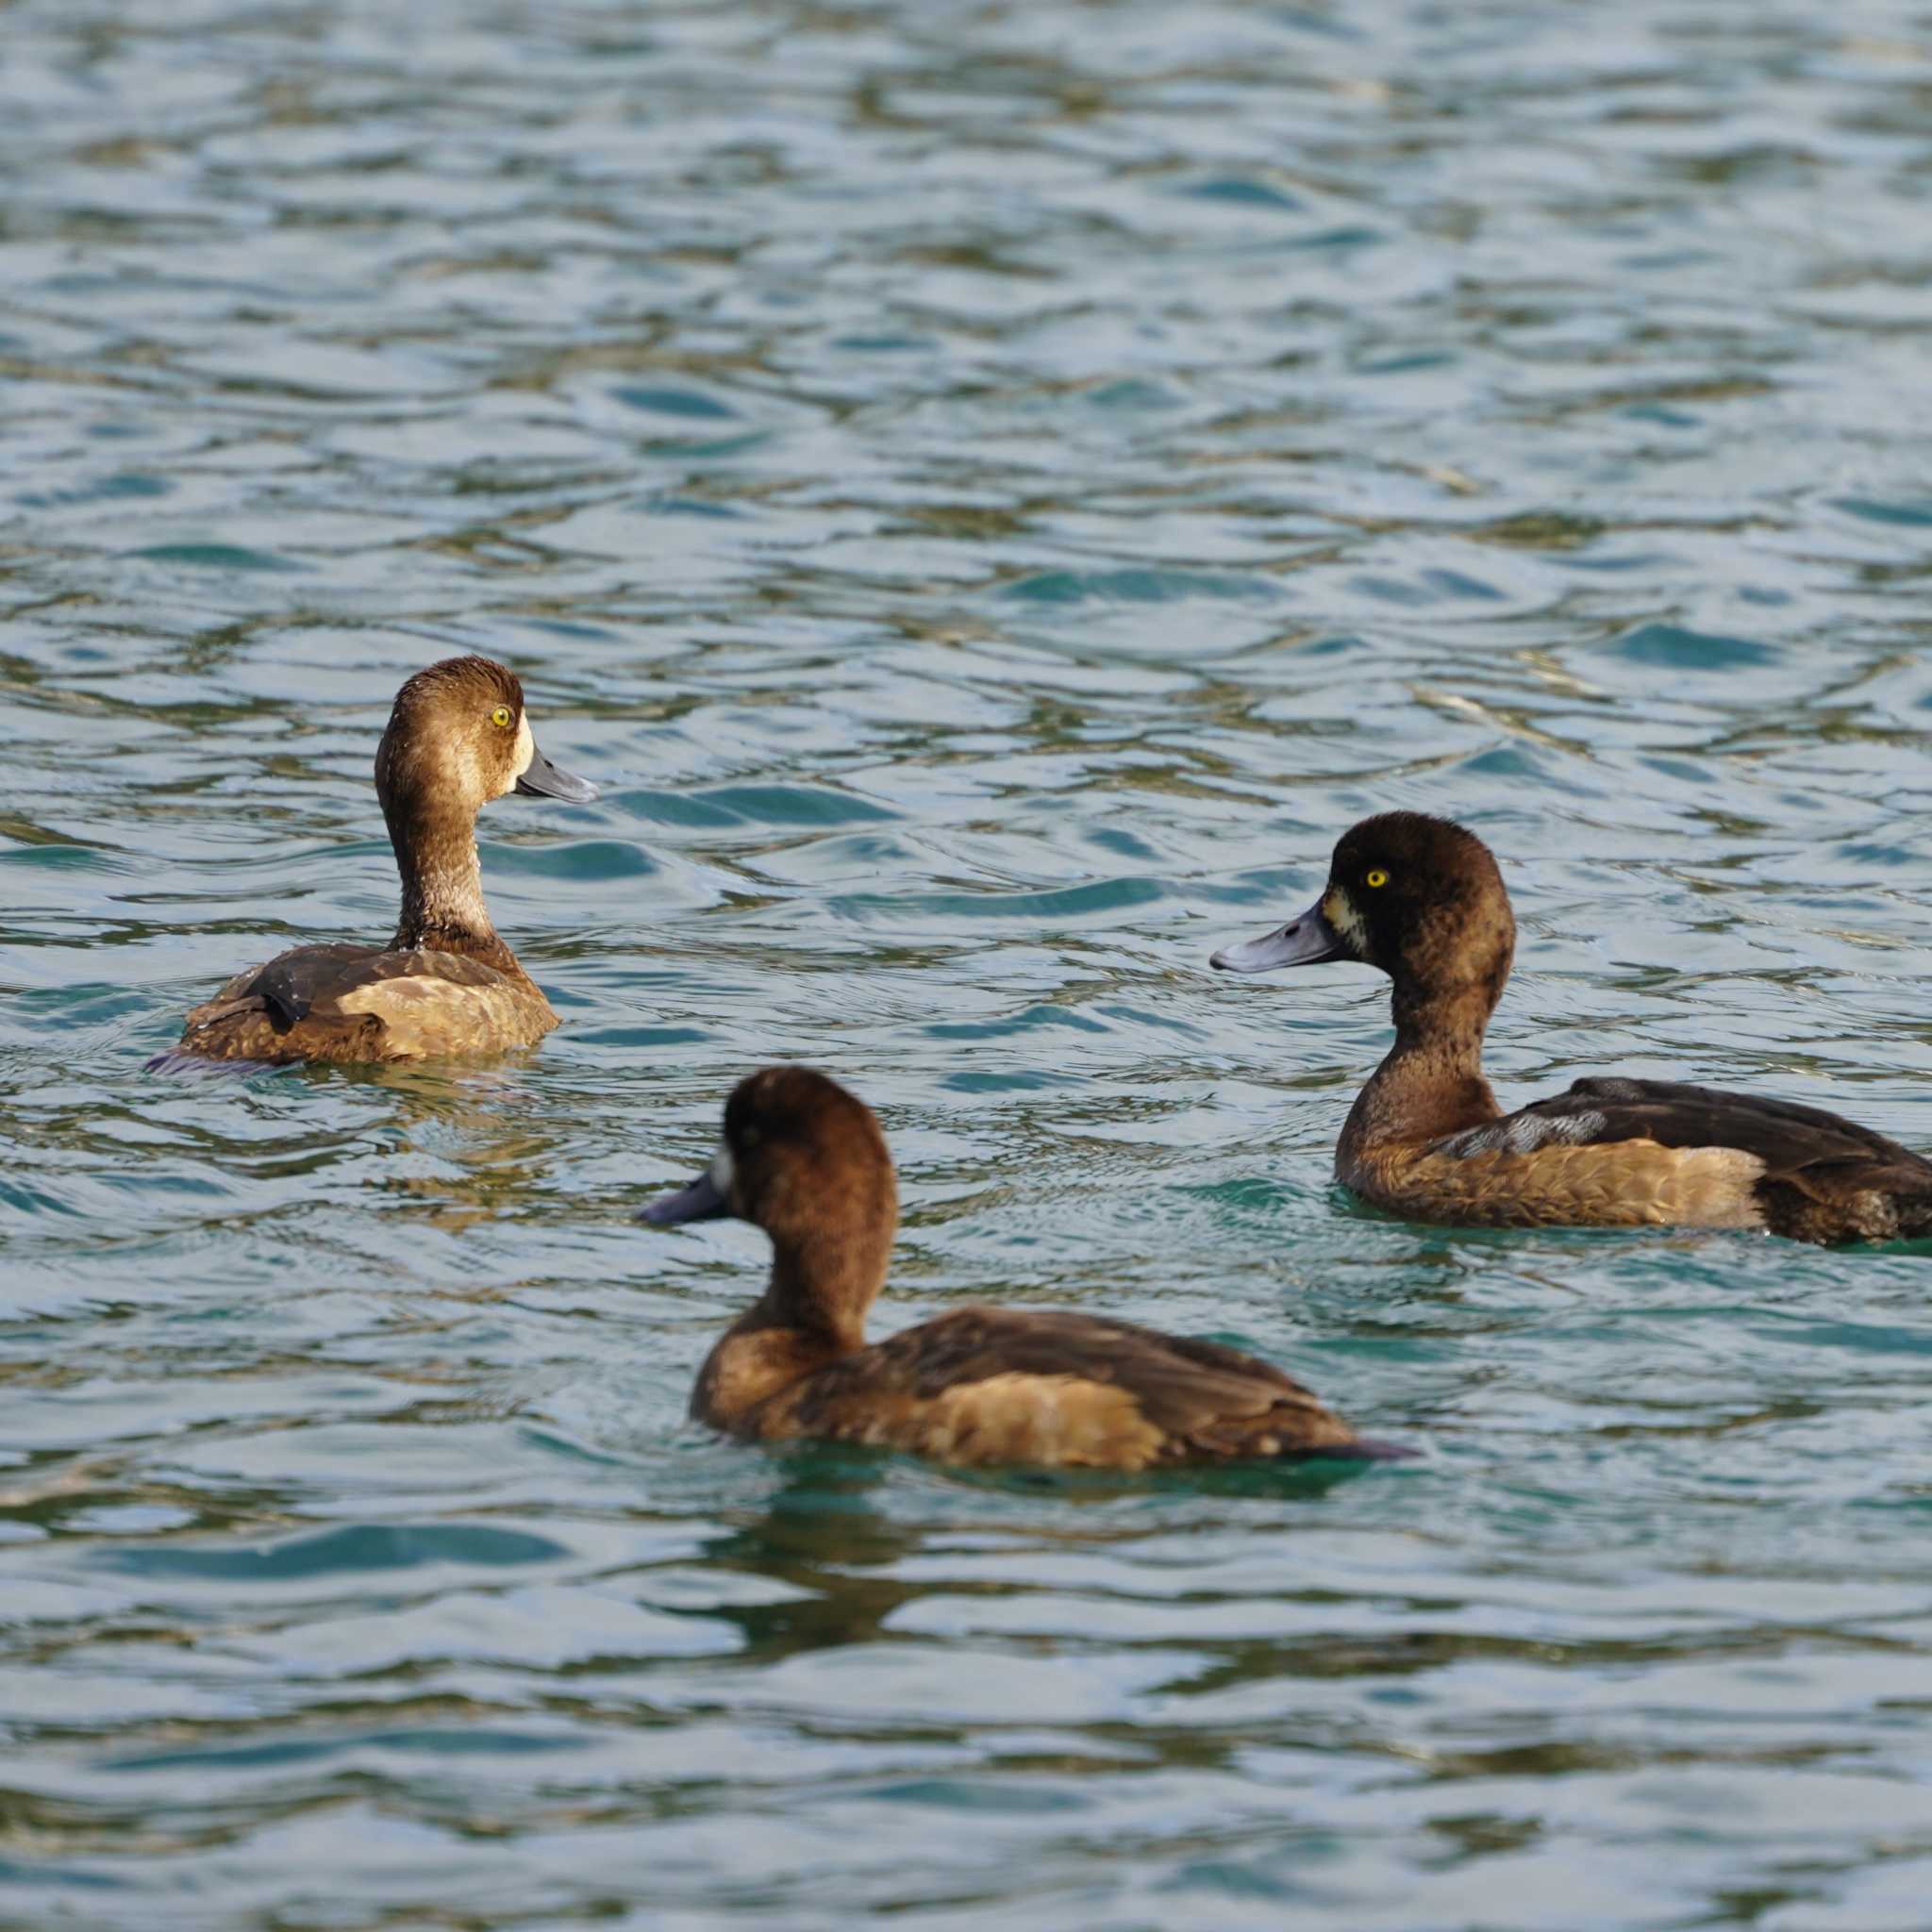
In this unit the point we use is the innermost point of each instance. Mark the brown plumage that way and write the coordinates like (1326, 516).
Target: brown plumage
(805, 1160)
(1422, 900)
(446, 983)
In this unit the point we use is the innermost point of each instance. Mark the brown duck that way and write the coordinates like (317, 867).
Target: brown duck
(805, 1160)
(446, 983)
(1422, 900)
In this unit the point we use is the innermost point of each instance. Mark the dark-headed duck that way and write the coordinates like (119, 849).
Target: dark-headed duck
(805, 1160)
(1422, 900)
(446, 983)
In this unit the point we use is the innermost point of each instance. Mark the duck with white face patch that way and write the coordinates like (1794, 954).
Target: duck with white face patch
(1422, 900)
(458, 737)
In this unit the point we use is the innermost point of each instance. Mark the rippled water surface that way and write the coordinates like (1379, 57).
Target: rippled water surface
(988, 490)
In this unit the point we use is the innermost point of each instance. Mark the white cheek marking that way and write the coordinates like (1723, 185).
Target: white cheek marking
(720, 1170)
(526, 749)
(1337, 909)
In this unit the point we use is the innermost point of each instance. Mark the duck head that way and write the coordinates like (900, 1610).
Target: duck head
(805, 1160)
(459, 736)
(1418, 898)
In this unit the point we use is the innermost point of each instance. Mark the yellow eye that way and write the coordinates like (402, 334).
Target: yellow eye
(502, 717)
(1376, 878)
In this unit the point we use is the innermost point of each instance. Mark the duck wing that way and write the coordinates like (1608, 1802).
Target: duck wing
(319, 980)
(1787, 1137)
(295, 983)
(1051, 1388)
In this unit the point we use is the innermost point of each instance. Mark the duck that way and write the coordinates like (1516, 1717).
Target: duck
(445, 983)
(804, 1159)
(1421, 899)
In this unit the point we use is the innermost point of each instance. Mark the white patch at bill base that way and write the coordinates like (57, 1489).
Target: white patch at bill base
(1337, 909)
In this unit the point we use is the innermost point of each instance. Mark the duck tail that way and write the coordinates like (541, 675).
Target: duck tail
(179, 1063)
(1365, 1449)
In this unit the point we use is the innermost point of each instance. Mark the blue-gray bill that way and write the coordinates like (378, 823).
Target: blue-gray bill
(1304, 942)
(545, 780)
(697, 1200)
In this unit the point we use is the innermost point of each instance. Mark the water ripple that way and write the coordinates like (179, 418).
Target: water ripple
(988, 494)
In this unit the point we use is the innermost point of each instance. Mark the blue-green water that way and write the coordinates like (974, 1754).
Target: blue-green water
(989, 491)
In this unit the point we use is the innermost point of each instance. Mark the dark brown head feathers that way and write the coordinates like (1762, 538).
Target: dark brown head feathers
(1423, 898)
(811, 1167)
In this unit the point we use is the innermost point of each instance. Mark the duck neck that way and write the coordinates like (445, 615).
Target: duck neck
(812, 1314)
(443, 907)
(821, 1285)
(1432, 1081)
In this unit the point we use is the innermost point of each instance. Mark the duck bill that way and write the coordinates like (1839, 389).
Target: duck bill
(697, 1200)
(545, 780)
(1304, 942)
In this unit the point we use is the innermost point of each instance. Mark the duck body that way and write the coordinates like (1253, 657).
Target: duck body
(805, 1160)
(1613, 1153)
(1421, 899)
(994, 1386)
(446, 983)
(349, 1003)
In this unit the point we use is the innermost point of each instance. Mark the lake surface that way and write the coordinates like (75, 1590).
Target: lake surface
(990, 491)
